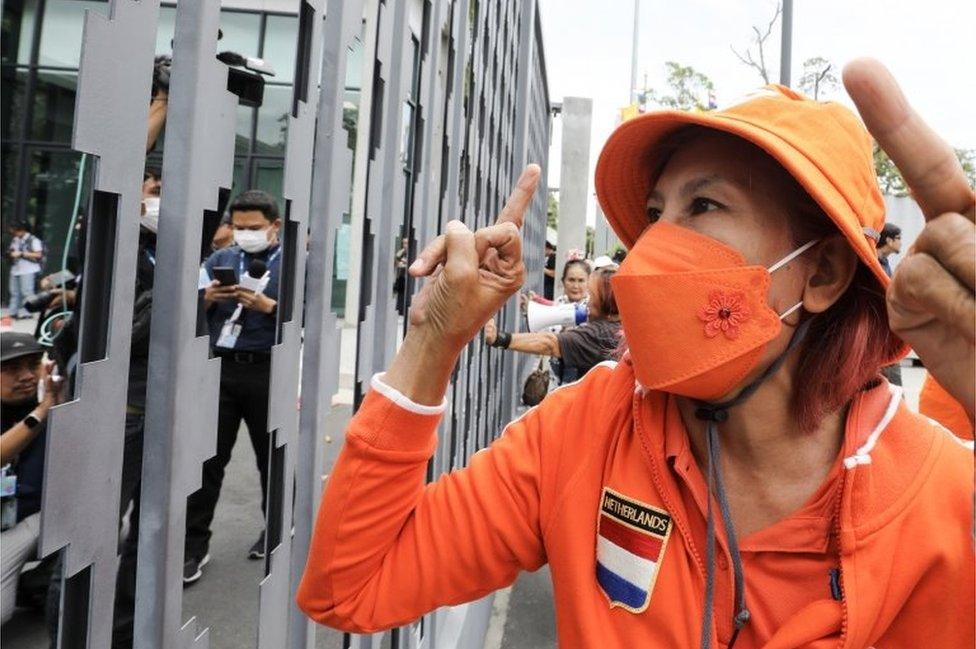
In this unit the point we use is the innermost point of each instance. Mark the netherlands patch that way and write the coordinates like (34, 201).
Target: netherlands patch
(630, 543)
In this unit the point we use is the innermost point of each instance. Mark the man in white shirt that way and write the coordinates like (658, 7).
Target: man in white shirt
(25, 252)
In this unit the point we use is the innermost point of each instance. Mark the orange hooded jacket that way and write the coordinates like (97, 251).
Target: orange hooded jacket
(935, 403)
(387, 548)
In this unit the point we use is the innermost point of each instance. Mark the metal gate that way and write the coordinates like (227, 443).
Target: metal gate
(455, 103)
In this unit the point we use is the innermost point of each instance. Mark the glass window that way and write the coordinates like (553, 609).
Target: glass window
(54, 106)
(354, 65)
(53, 183)
(240, 176)
(165, 29)
(241, 31)
(245, 119)
(269, 176)
(10, 163)
(61, 31)
(13, 100)
(280, 45)
(350, 116)
(273, 121)
(18, 31)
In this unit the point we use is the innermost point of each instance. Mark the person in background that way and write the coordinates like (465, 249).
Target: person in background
(26, 253)
(242, 338)
(22, 418)
(889, 244)
(224, 235)
(578, 349)
(549, 272)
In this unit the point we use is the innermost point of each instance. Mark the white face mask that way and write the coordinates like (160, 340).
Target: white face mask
(150, 213)
(253, 241)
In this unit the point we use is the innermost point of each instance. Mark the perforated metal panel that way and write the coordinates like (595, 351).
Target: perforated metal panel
(458, 105)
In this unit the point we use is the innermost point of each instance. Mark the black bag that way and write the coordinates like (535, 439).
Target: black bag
(537, 385)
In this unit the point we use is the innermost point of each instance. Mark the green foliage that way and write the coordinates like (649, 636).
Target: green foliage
(689, 88)
(891, 182)
(967, 158)
(552, 211)
(818, 77)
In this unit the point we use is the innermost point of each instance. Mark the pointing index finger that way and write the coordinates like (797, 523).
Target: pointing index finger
(928, 165)
(521, 196)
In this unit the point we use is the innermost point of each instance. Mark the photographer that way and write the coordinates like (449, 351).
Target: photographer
(243, 328)
(23, 419)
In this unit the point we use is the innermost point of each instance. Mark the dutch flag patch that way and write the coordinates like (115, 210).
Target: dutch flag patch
(630, 543)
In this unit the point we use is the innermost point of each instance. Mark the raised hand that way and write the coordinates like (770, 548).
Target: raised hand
(931, 299)
(471, 275)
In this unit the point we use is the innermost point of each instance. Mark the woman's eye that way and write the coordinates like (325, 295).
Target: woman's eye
(701, 205)
(653, 214)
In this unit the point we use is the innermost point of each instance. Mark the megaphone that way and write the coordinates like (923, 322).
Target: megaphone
(542, 316)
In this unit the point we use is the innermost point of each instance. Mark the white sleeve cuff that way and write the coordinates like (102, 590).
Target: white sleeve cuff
(401, 400)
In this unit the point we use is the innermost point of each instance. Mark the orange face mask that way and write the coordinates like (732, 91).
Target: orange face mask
(694, 314)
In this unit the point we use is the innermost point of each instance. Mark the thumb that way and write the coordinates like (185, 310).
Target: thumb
(462, 255)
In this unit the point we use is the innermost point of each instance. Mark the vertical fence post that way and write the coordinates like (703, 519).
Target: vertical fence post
(332, 174)
(181, 406)
(84, 444)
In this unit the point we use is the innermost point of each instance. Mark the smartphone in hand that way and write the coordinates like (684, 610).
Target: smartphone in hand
(225, 275)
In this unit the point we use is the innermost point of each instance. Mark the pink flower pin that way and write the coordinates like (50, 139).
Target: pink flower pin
(724, 313)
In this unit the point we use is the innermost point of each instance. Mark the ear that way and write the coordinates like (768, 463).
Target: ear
(834, 264)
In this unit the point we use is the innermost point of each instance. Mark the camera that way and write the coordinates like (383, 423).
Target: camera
(245, 76)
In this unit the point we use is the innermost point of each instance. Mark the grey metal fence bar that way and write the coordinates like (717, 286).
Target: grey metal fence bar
(457, 104)
(80, 513)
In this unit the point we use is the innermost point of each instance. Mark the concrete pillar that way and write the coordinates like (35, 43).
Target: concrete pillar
(574, 178)
(605, 241)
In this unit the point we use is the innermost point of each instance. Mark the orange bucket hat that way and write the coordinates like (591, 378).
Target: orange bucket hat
(823, 145)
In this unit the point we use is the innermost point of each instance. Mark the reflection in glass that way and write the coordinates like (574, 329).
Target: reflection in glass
(241, 31)
(17, 31)
(354, 65)
(9, 165)
(53, 180)
(240, 177)
(268, 176)
(280, 43)
(61, 30)
(13, 100)
(242, 137)
(54, 106)
(273, 121)
(165, 29)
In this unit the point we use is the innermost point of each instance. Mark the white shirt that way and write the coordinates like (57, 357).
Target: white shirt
(26, 243)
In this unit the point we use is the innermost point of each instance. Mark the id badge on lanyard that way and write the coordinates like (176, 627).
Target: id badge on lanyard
(229, 334)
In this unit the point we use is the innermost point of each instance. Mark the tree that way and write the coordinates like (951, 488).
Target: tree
(689, 88)
(967, 158)
(891, 182)
(818, 76)
(552, 211)
(759, 40)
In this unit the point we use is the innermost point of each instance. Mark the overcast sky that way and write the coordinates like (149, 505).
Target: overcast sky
(928, 45)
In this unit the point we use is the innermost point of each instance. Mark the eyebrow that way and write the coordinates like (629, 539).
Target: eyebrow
(694, 186)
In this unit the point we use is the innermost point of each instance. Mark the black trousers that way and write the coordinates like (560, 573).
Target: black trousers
(243, 396)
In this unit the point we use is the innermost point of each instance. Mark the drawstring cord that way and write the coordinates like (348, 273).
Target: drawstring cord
(714, 414)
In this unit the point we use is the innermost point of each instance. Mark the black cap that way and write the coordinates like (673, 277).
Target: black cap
(14, 345)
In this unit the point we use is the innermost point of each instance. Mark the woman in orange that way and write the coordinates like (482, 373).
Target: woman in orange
(743, 476)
